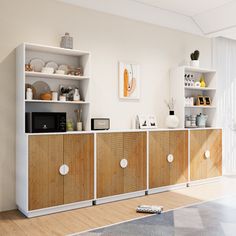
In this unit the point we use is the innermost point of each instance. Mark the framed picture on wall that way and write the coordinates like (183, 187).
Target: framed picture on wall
(129, 81)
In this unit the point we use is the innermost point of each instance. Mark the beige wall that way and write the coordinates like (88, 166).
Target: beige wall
(110, 39)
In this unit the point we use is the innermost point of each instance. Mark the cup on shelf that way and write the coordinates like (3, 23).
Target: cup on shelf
(187, 123)
(48, 70)
(62, 98)
(54, 96)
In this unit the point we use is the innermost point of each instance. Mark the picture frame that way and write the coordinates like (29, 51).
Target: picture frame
(142, 122)
(129, 81)
(146, 122)
(152, 121)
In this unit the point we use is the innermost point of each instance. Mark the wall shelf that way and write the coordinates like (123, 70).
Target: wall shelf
(199, 88)
(201, 107)
(54, 76)
(197, 69)
(54, 50)
(62, 102)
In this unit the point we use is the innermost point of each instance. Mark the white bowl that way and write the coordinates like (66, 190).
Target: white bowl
(48, 70)
(60, 72)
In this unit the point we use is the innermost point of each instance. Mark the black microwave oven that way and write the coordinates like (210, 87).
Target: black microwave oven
(45, 122)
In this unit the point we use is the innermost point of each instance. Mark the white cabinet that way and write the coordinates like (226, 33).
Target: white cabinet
(73, 58)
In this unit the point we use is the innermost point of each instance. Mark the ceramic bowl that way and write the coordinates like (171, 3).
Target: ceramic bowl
(46, 96)
(60, 72)
(48, 70)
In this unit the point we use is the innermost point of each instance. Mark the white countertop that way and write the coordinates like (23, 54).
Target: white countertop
(122, 130)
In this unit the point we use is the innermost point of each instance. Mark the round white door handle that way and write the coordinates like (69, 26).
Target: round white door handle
(207, 154)
(123, 163)
(64, 169)
(170, 158)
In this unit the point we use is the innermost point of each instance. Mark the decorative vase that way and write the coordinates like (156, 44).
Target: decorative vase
(79, 126)
(172, 121)
(66, 41)
(29, 94)
(202, 82)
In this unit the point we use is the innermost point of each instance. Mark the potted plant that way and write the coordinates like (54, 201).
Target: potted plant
(194, 58)
(172, 121)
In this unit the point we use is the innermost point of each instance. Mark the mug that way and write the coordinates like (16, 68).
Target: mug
(62, 98)
(54, 96)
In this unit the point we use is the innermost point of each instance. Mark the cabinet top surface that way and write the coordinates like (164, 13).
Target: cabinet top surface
(122, 130)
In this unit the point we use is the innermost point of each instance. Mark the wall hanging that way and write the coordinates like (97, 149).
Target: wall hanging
(129, 81)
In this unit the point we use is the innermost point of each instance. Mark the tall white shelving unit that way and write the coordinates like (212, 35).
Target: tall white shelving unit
(179, 91)
(74, 58)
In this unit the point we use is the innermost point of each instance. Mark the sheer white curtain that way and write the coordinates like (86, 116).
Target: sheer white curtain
(224, 61)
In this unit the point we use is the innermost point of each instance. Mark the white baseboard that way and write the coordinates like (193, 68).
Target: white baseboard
(205, 181)
(55, 209)
(167, 188)
(120, 197)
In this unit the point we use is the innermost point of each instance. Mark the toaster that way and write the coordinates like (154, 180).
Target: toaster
(100, 123)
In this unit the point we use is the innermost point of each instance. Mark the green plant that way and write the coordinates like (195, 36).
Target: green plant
(195, 55)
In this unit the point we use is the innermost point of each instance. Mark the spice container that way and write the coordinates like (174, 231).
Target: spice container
(29, 94)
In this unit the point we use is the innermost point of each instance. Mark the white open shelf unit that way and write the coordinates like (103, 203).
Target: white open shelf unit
(73, 58)
(179, 91)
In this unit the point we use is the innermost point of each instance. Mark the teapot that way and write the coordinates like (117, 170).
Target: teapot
(201, 120)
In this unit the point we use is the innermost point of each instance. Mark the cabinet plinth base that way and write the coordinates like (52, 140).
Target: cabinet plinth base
(120, 197)
(56, 209)
(205, 181)
(167, 188)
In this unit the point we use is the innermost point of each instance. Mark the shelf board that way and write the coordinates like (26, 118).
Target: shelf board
(55, 50)
(60, 102)
(54, 76)
(199, 88)
(203, 107)
(198, 69)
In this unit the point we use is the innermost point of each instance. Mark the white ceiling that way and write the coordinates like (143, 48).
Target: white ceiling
(186, 7)
(202, 17)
